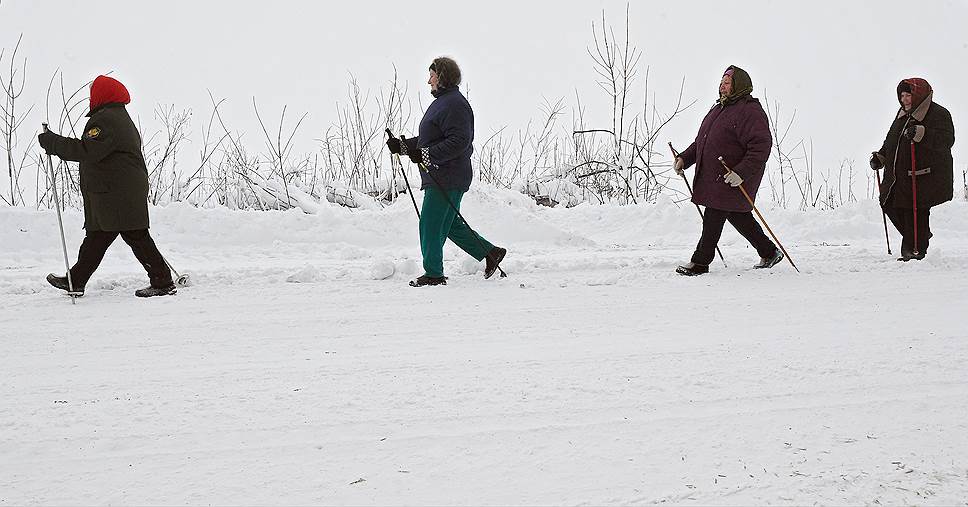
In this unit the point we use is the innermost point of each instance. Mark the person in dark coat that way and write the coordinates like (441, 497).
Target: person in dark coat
(443, 149)
(737, 129)
(114, 186)
(917, 163)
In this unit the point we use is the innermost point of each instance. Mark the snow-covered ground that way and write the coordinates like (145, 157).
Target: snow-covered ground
(290, 374)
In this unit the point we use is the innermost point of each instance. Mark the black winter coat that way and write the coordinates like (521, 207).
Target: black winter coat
(114, 178)
(447, 137)
(932, 154)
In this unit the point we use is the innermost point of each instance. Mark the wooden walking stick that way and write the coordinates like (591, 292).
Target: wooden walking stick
(675, 155)
(748, 198)
(887, 237)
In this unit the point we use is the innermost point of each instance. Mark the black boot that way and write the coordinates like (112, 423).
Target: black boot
(907, 255)
(692, 269)
(150, 291)
(428, 280)
(493, 260)
(767, 263)
(61, 283)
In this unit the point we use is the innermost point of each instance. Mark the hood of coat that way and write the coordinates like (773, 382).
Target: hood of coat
(921, 97)
(107, 90)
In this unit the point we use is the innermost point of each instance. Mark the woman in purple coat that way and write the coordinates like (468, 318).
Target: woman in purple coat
(737, 129)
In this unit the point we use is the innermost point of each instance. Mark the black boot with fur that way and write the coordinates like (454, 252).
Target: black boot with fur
(423, 280)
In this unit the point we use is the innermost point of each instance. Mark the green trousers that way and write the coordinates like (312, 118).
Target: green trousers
(438, 221)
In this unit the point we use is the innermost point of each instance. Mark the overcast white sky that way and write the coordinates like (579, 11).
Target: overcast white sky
(836, 62)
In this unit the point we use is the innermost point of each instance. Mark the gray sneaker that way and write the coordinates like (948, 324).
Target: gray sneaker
(767, 263)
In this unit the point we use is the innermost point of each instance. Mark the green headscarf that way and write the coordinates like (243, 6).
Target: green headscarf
(742, 85)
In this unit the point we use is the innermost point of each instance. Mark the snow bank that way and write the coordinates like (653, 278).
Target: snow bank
(493, 212)
(619, 244)
(503, 216)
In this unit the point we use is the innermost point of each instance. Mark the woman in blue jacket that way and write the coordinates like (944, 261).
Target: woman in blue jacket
(443, 147)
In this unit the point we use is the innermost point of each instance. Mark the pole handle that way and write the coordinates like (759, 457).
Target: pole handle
(405, 180)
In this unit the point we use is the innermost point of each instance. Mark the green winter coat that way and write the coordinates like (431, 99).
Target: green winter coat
(114, 177)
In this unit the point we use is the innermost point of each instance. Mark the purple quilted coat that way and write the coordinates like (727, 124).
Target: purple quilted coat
(740, 133)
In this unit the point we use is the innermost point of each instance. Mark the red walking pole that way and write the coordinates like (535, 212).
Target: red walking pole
(914, 196)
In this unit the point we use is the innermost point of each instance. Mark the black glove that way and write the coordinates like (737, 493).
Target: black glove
(912, 132)
(411, 149)
(47, 140)
(876, 162)
(393, 144)
(416, 156)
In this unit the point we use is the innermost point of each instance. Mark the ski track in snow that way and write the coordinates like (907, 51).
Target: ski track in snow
(592, 375)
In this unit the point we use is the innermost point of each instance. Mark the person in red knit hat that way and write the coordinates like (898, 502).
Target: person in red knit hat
(114, 185)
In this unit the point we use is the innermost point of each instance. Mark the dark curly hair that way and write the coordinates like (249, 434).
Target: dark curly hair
(448, 73)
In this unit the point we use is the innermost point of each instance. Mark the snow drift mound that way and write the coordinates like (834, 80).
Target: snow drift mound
(501, 215)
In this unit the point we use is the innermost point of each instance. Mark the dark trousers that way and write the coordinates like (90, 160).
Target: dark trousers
(97, 242)
(903, 220)
(712, 228)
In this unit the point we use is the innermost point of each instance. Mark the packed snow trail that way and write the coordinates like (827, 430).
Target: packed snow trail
(592, 375)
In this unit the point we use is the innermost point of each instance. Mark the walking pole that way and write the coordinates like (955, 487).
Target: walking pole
(914, 196)
(60, 223)
(446, 198)
(748, 198)
(883, 213)
(675, 155)
(405, 180)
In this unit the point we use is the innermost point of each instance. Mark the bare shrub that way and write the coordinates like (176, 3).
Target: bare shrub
(12, 84)
(619, 164)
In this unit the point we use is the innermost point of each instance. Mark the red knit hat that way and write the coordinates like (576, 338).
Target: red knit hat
(107, 90)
